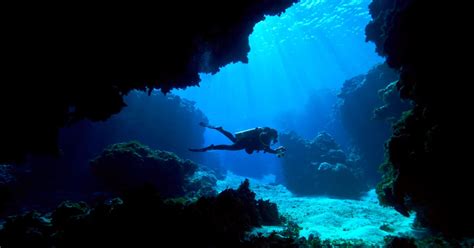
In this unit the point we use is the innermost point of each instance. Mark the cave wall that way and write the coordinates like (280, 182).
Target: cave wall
(164, 122)
(72, 62)
(427, 171)
(361, 98)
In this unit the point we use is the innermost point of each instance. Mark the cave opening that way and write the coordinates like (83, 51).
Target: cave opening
(312, 76)
(297, 65)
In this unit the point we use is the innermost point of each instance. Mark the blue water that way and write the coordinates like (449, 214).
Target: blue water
(309, 50)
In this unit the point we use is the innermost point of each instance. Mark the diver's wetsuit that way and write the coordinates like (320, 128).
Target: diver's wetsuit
(250, 140)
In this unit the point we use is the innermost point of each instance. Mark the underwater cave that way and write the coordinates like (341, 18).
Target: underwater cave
(286, 123)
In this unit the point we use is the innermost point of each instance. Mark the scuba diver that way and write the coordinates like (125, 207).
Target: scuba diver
(255, 139)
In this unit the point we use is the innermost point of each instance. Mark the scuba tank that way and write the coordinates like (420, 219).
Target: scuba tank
(244, 134)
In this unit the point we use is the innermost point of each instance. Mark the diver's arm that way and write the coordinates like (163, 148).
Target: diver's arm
(280, 150)
(270, 150)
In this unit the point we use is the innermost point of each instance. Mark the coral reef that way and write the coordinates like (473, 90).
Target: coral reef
(78, 63)
(362, 97)
(126, 166)
(313, 167)
(427, 170)
(142, 218)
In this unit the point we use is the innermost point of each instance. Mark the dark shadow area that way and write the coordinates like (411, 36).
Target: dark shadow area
(367, 111)
(76, 63)
(141, 217)
(68, 70)
(159, 121)
(427, 169)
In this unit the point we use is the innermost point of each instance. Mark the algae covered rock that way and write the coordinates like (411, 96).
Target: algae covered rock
(318, 167)
(201, 183)
(26, 230)
(69, 212)
(142, 219)
(130, 165)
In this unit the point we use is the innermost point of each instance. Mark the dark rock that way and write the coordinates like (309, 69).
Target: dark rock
(362, 97)
(393, 106)
(158, 121)
(7, 185)
(325, 166)
(69, 212)
(201, 183)
(27, 230)
(324, 142)
(78, 63)
(318, 167)
(394, 242)
(142, 219)
(126, 166)
(268, 212)
(335, 156)
(426, 170)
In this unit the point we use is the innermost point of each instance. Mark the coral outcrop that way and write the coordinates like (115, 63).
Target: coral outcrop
(126, 166)
(142, 218)
(318, 167)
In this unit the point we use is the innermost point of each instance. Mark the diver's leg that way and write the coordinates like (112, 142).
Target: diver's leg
(233, 147)
(205, 149)
(227, 134)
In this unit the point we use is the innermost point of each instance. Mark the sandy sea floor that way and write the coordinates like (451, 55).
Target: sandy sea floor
(326, 217)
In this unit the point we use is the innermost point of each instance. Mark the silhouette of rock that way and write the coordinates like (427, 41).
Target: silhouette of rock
(79, 62)
(318, 167)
